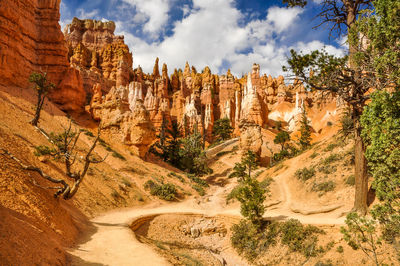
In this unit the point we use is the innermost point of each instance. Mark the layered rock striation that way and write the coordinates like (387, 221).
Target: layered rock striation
(31, 40)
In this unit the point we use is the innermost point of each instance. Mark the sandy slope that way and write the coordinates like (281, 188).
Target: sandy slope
(114, 243)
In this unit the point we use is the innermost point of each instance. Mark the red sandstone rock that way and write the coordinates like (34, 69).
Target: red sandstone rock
(31, 40)
(99, 55)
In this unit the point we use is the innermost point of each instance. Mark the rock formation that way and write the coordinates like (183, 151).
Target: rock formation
(32, 41)
(99, 55)
(123, 114)
(93, 67)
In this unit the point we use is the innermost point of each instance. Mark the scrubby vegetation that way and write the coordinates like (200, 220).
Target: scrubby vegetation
(305, 173)
(163, 191)
(324, 186)
(43, 150)
(185, 153)
(253, 236)
(253, 242)
(64, 150)
(300, 238)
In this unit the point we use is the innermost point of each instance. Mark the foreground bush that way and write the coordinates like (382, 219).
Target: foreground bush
(164, 191)
(251, 241)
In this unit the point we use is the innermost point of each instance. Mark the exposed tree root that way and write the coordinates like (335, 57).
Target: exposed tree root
(319, 210)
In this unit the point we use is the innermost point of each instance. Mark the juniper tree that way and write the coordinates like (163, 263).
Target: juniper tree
(42, 86)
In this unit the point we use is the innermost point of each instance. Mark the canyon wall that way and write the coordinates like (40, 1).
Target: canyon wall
(31, 40)
(102, 58)
(92, 69)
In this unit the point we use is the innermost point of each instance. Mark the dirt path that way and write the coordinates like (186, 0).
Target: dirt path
(114, 243)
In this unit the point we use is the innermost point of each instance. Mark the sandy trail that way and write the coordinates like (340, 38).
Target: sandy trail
(114, 243)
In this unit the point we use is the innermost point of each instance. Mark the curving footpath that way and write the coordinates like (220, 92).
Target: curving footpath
(114, 243)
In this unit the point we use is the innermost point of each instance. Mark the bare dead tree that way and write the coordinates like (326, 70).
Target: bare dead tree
(65, 145)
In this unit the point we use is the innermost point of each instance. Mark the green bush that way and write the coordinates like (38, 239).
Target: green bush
(199, 189)
(301, 238)
(331, 158)
(325, 186)
(346, 125)
(197, 180)
(43, 150)
(281, 155)
(339, 249)
(305, 173)
(173, 174)
(222, 129)
(327, 169)
(222, 153)
(118, 155)
(321, 263)
(315, 154)
(164, 191)
(87, 132)
(331, 147)
(250, 242)
(351, 180)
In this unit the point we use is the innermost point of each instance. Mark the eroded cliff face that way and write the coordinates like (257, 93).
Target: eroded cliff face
(100, 56)
(92, 66)
(196, 100)
(32, 41)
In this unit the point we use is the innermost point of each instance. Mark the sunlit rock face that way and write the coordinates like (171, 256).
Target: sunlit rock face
(31, 40)
(123, 115)
(99, 55)
(196, 99)
(92, 67)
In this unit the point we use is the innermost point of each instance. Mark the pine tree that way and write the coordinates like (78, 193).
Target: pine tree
(281, 138)
(222, 129)
(250, 193)
(340, 75)
(42, 86)
(305, 131)
(192, 156)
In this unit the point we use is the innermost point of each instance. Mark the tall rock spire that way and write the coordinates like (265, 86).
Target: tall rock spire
(156, 71)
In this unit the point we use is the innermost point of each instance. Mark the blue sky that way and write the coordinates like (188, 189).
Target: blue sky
(219, 33)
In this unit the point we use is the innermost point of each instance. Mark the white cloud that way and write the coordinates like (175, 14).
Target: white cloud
(154, 11)
(282, 18)
(318, 45)
(83, 14)
(212, 33)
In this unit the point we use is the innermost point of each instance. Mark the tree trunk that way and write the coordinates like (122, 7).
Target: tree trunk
(360, 167)
(360, 173)
(36, 118)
